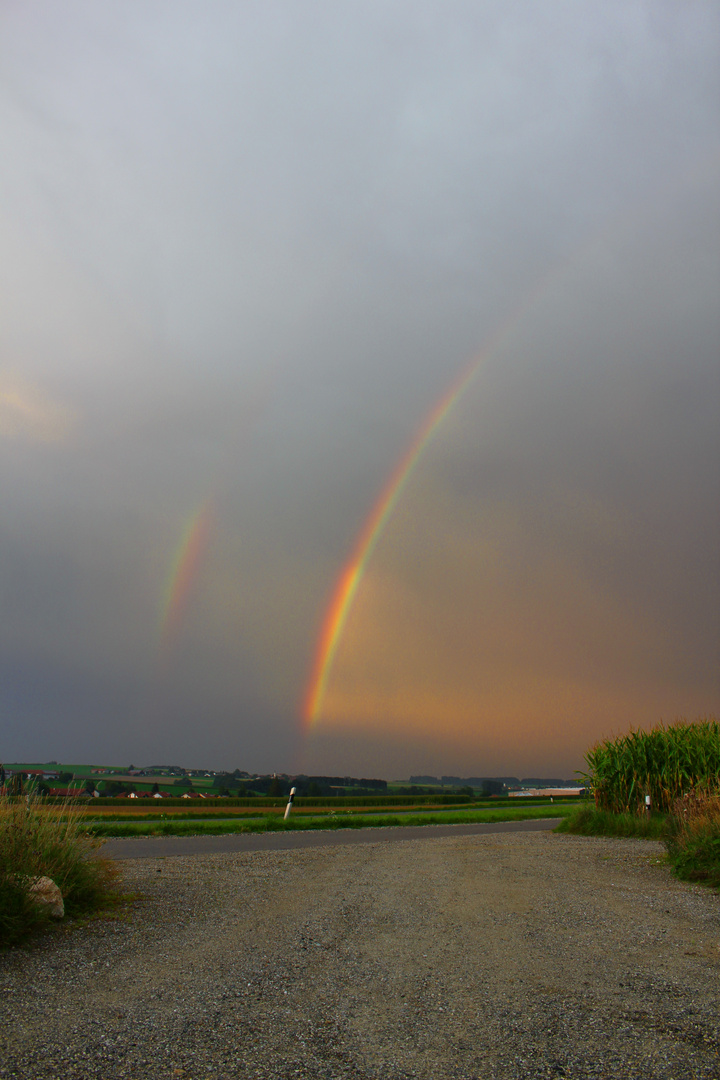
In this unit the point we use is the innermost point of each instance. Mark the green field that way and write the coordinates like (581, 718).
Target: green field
(348, 819)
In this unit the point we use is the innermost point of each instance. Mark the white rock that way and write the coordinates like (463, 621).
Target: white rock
(44, 891)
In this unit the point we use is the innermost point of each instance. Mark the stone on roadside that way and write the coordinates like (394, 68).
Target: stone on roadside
(43, 890)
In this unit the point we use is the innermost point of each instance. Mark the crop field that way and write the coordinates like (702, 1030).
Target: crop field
(662, 765)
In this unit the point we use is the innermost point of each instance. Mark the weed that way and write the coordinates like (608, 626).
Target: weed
(46, 841)
(693, 842)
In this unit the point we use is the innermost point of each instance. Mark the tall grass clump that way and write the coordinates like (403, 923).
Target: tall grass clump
(37, 840)
(665, 763)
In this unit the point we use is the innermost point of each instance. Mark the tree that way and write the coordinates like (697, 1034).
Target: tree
(223, 780)
(493, 787)
(114, 787)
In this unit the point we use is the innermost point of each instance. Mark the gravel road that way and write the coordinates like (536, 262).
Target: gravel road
(514, 955)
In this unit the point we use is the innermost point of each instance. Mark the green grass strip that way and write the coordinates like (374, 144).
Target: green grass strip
(589, 821)
(346, 820)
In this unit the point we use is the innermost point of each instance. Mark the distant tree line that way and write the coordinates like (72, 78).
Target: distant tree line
(472, 786)
(481, 781)
(279, 786)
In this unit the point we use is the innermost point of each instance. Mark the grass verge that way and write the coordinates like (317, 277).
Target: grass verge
(343, 820)
(46, 841)
(589, 821)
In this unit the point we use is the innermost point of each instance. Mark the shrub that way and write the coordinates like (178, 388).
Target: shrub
(37, 840)
(694, 838)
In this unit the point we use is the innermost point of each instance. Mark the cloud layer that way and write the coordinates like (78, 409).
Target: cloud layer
(245, 251)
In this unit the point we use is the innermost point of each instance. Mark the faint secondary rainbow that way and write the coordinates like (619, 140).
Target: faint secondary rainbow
(352, 574)
(188, 559)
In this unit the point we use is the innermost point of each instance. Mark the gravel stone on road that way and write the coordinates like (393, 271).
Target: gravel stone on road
(515, 956)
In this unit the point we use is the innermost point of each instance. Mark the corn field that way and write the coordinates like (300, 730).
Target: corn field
(665, 763)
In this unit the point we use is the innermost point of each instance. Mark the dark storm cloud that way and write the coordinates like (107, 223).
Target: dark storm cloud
(247, 248)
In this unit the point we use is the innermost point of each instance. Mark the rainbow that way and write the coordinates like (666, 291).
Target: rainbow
(184, 569)
(353, 571)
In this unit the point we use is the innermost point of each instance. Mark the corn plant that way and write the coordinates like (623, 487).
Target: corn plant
(664, 763)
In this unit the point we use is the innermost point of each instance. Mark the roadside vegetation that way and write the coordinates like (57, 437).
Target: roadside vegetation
(39, 841)
(693, 840)
(678, 767)
(347, 819)
(589, 821)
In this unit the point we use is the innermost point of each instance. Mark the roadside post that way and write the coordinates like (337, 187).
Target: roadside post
(647, 805)
(288, 808)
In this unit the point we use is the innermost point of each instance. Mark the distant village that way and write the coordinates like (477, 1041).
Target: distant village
(173, 781)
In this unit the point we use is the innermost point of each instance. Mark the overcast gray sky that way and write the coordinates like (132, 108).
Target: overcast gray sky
(245, 250)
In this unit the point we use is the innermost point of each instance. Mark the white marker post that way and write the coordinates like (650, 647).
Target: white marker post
(647, 805)
(288, 808)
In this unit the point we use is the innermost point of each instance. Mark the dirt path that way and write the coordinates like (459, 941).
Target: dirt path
(523, 955)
